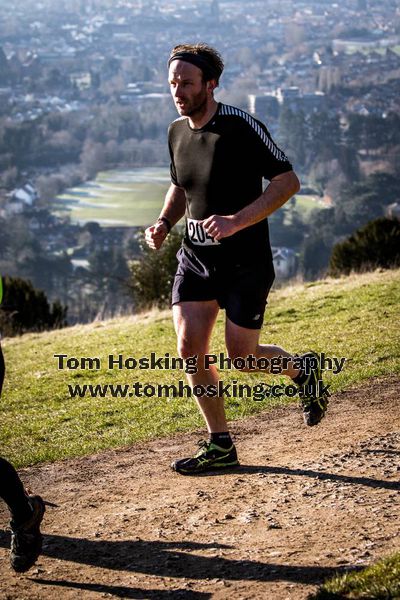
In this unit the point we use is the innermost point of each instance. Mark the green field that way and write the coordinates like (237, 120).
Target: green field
(117, 198)
(303, 205)
(355, 317)
(134, 198)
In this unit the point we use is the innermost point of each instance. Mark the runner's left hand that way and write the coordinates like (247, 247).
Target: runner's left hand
(219, 226)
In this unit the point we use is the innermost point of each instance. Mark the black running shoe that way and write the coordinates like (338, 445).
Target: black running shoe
(313, 394)
(26, 539)
(207, 458)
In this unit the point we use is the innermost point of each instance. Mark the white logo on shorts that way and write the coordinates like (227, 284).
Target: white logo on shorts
(256, 317)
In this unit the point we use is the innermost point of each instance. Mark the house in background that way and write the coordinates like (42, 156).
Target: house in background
(285, 261)
(393, 211)
(21, 198)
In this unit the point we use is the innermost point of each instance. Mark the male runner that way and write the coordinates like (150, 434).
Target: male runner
(26, 510)
(219, 156)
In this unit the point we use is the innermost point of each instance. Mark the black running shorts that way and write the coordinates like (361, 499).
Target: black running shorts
(241, 288)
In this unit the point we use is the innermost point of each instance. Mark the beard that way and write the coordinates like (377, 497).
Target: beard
(195, 106)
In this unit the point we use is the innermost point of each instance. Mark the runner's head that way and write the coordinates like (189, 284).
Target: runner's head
(194, 72)
(206, 58)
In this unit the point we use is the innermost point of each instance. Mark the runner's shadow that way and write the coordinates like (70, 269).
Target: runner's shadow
(367, 481)
(174, 559)
(127, 592)
(378, 451)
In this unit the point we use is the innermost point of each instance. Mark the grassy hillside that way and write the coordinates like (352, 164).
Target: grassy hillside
(355, 317)
(380, 581)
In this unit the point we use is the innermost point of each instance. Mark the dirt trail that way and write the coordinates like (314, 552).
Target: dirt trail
(305, 503)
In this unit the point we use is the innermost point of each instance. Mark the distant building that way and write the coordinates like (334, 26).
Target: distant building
(285, 261)
(328, 77)
(153, 99)
(312, 102)
(4, 68)
(363, 43)
(26, 194)
(288, 94)
(5, 95)
(264, 105)
(268, 105)
(20, 199)
(393, 211)
(82, 80)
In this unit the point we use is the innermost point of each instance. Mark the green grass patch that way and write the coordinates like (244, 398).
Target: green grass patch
(132, 198)
(355, 317)
(302, 206)
(377, 582)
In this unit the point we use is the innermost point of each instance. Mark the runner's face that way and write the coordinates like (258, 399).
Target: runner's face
(188, 89)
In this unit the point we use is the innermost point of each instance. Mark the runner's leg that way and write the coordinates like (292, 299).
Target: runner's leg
(242, 342)
(194, 322)
(13, 493)
(26, 511)
(11, 488)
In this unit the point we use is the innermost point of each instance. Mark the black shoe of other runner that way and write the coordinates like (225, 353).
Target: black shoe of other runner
(26, 539)
(314, 397)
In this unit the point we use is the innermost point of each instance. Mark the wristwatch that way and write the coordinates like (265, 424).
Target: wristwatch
(166, 222)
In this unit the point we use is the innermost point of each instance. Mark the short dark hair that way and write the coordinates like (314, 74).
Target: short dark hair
(204, 51)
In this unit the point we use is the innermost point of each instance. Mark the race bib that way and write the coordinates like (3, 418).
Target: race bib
(198, 235)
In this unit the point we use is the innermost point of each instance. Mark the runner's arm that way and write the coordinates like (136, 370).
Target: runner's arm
(281, 188)
(173, 210)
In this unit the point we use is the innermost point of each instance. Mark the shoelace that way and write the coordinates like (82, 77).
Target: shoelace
(203, 446)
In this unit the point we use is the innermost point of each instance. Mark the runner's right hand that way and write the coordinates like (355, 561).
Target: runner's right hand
(155, 235)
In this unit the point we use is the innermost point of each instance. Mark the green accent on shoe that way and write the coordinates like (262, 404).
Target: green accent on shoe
(210, 456)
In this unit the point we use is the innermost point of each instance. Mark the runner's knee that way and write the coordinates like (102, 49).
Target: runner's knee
(187, 348)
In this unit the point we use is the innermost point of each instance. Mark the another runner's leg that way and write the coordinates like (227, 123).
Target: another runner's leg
(26, 511)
